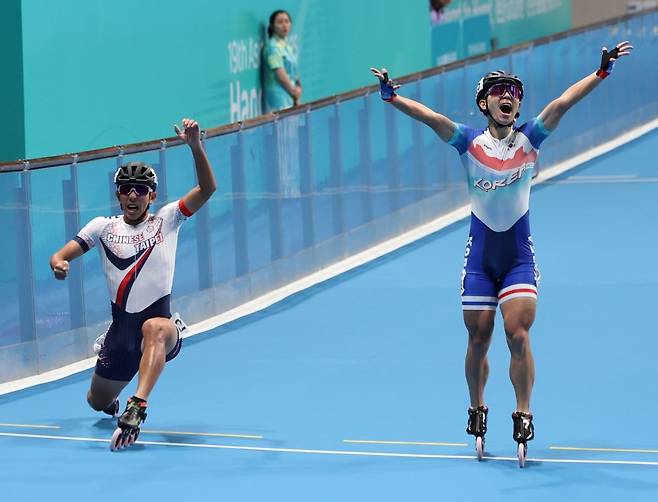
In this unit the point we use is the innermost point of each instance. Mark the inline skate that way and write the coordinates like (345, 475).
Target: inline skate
(477, 426)
(128, 424)
(524, 431)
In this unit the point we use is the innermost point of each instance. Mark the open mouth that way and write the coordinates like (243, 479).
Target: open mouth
(506, 108)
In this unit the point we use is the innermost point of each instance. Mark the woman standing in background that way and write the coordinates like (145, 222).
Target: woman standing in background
(281, 80)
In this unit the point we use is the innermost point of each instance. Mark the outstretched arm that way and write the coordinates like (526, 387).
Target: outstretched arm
(442, 125)
(59, 261)
(198, 196)
(556, 109)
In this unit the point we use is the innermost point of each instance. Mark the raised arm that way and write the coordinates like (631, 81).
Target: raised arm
(442, 125)
(198, 196)
(59, 261)
(556, 109)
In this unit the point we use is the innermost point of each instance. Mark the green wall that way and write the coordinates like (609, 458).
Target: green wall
(100, 73)
(12, 126)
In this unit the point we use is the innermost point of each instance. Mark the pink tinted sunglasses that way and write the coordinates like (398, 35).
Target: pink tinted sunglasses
(500, 89)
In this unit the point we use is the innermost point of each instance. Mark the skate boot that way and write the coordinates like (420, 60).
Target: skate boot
(524, 431)
(477, 426)
(128, 424)
(113, 409)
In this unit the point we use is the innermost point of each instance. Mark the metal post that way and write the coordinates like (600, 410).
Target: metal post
(418, 154)
(115, 208)
(336, 161)
(25, 273)
(71, 226)
(273, 185)
(307, 181)
(204, 239)
(161, 172)
(240, 220)
(365, 151)
(392, 158)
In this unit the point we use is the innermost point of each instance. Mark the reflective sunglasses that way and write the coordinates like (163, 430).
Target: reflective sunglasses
(140, 190)
(500, 89)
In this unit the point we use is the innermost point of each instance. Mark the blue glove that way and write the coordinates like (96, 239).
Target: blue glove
(387, 88)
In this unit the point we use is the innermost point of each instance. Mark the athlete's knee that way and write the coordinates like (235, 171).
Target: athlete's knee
(480, 329)
(518, 340)
(479, 339)
(155, 331)
(94, 403)
(517, 325)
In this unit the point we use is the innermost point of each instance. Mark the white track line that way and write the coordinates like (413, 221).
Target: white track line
(562, 167)
(606, 450)
(341, 267)
(337, 452)
(31, 426)
(603, 176)
(414, 443)
(598, 181)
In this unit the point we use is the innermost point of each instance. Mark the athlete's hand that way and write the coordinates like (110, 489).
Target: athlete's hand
(387, 87)
(60, 269)
(191, 133)
(609, 58)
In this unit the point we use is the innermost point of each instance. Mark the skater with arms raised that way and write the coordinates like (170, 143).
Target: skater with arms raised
(499, 264)
(137, 251)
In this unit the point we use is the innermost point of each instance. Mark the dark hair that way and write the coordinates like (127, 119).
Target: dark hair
(438, 5)
(270, 27)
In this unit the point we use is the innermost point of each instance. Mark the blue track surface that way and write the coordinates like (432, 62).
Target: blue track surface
(377, 354)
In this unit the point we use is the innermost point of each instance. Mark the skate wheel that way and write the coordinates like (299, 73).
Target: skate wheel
(521, 452)
(117, 439)
(479, 447)
(132, 437)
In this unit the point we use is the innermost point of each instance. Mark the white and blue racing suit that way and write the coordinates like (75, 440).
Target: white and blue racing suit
(499, 263)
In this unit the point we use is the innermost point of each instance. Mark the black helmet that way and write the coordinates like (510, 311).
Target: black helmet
(492, 78)
(136, 172)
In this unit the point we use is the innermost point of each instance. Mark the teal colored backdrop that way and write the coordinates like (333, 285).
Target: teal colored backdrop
(99, 73)
(89, 74)
(472, 27)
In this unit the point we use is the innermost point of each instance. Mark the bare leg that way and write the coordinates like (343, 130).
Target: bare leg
(519, 314)
(160, 337)
(103, 392)
(479, 324)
